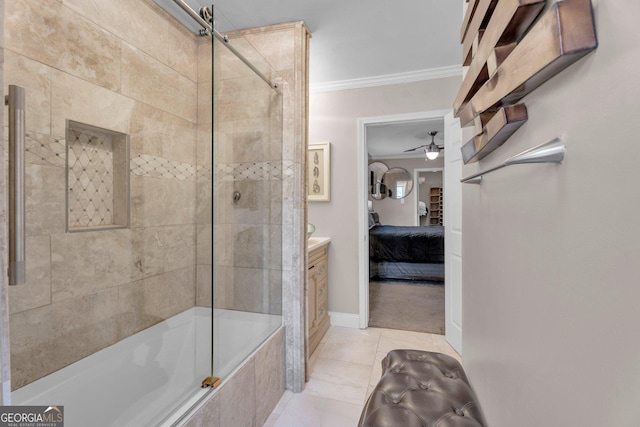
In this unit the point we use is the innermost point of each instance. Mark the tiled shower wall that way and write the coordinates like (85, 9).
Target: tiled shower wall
(62, 51)
(260, 239)
(247, 160)
(263, 159)
(119, 65)
(286, 47)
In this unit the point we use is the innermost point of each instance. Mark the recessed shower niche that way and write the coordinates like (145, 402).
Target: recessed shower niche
(97, 174)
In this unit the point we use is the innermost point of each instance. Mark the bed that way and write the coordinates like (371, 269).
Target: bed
(406, 253)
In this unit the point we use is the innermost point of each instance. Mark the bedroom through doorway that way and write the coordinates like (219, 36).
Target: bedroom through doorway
(405, 250)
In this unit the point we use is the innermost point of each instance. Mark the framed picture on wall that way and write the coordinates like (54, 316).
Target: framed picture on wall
(319, 172)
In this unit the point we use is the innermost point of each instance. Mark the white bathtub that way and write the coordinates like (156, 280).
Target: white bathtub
(142, 380)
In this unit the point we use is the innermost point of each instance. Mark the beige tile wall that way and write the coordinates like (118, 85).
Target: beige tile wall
(248, 397)
(248, 160)
(95, 288)
(124, 66)
(286, 47)
(271, 215)
(204, 176)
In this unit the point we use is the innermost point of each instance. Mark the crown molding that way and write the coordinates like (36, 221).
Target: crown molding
(398, 156)
(389, 79)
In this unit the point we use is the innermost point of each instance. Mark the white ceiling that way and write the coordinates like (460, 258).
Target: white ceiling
(354, 39)
(358, 39)
(389, 141)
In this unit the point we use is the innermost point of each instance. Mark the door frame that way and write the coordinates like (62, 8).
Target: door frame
(453, 232)
(363, 220)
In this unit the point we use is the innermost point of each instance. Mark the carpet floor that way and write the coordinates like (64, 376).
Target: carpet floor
(409, 306)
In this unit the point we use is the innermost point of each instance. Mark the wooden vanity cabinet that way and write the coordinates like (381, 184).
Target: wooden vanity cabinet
(317, 296)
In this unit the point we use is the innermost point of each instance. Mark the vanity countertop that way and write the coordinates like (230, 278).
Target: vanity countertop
(317, 242)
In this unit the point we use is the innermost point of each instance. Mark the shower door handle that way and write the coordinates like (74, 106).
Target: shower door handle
(17, 139)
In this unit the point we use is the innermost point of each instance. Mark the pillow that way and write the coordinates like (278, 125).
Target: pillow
(373, 220)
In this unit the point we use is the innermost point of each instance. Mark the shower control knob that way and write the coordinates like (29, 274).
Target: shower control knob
(236, 196)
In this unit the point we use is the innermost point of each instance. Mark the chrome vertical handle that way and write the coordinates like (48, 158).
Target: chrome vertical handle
(17, 138)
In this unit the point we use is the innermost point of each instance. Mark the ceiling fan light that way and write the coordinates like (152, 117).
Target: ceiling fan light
(432, 151)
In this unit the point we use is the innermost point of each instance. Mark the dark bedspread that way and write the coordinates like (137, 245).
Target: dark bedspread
(406, 244)
(432, 272)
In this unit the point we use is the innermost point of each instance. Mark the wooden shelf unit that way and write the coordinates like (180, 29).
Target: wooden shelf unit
(436, 207)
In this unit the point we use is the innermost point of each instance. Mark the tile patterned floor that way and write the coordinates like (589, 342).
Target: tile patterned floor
(344, 370)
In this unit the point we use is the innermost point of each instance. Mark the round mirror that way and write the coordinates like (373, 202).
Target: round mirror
(377, 189)
(399, 183)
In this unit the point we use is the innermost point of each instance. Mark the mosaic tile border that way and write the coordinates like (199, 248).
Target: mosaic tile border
(255, 171)
(159, 167)
(203, 173)
(44, 149)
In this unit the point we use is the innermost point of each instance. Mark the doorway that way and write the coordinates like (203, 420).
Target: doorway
(371, 290)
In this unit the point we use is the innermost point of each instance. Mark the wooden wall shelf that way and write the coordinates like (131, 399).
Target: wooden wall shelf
(468, 16)
(502, 125)
(508, 23)
(510, 57)
(478, 22)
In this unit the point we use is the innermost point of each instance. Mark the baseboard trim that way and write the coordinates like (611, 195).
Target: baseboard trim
(344, 320)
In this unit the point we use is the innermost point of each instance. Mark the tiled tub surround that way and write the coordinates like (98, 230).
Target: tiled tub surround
(162, 265)
(137, 276)
(242, 146)
(147, 376)
(237, 134)
(250, 394)
(142, 379)
(123, 66)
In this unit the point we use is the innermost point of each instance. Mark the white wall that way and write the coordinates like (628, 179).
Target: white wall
(397, 212)
(333, 117)
(551, 298)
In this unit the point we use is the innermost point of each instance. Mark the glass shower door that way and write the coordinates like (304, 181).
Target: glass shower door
(248, 195)
(116, 197)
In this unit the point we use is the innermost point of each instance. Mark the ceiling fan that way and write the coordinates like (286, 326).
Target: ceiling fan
(431, 150)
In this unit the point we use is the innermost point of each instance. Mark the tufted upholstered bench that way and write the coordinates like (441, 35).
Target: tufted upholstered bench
(421, 389)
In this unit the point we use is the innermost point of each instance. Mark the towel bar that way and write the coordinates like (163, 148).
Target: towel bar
(549, 152)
